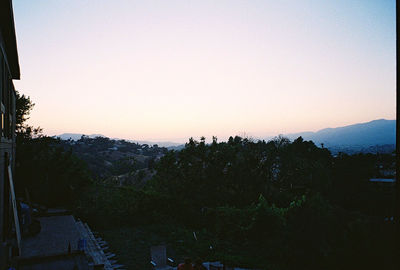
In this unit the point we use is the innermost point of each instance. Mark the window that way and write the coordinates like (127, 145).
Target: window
(2, 71)
(2, 75)
(6, 100)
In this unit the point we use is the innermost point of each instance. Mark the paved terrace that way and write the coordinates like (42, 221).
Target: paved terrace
(49, 249)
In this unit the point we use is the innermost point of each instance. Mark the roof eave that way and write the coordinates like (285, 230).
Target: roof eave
(9, 38)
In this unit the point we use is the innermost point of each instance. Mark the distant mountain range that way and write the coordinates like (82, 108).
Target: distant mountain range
(352, 138)
(376, 132)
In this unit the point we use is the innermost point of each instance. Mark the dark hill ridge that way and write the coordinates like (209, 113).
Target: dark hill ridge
(376, 132)
(77, 136)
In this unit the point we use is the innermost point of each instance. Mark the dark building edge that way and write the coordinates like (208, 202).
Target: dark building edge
(9, 70)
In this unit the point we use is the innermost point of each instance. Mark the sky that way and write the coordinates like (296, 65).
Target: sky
(170, 70)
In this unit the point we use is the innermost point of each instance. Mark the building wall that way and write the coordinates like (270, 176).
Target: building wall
(7, 149)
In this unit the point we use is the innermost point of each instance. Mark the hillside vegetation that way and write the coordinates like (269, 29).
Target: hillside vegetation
(279, 204)
(116, 161)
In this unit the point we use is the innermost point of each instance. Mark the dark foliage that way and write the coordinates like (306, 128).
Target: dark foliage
(51, 175)
(270, 205)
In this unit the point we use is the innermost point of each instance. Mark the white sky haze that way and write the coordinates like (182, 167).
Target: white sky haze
(169, 70)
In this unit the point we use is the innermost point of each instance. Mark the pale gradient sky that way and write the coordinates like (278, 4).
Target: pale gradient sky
(168, 70)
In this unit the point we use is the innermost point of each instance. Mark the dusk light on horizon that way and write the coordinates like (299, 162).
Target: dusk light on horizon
(170, 70)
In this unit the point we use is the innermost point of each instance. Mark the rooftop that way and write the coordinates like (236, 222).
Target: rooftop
(383, 180)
